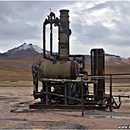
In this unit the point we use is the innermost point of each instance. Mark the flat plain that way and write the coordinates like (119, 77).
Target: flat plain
(16, 88)
(15, 113)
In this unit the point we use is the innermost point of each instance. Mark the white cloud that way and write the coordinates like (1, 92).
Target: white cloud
(93, 24)
(104, 24)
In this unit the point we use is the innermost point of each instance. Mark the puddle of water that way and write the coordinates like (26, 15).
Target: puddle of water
(103, 116)
(118, 117)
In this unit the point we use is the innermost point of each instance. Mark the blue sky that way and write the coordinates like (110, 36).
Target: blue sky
(94, 24)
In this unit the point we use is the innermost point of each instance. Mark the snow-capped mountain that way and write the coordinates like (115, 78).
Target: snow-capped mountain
(25, 47)
(23, 51)
(33, 51)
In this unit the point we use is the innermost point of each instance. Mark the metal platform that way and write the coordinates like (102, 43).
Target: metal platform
(40, 105)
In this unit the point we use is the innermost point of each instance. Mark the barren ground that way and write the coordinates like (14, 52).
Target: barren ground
(15, 113)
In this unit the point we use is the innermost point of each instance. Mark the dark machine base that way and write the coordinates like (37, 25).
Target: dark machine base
(40, 105)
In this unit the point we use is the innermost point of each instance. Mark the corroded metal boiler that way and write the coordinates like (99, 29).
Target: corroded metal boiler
(58, 70)
(61, 66)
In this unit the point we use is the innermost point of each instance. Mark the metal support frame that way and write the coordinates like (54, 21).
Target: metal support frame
(110, 97)
(85, 105)
(111, 93)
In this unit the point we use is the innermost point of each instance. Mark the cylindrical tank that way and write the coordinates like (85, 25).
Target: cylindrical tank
(58, 70)
(64, 33)
(98, 69)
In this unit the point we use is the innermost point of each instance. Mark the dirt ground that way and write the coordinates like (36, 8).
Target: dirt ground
(15, 113)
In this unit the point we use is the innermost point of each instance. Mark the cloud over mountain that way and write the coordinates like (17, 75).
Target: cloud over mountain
(94, 24)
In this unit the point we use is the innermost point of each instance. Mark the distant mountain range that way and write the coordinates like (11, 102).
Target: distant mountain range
(33, 51)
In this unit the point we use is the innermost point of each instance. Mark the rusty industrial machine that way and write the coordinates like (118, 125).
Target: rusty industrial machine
(65, 82)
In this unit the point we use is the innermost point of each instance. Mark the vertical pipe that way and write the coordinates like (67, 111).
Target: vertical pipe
(51, 38)
(92, 62)
(82, 97)
(64, 33)
(46, 95)
(119, 98)
(35, 87)
(59, 39)
(44, 90)
(111, 93)
(98, 69)
(65, 94)
(44, 40)
(87, 93)
(49, 96)
(96, 72)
